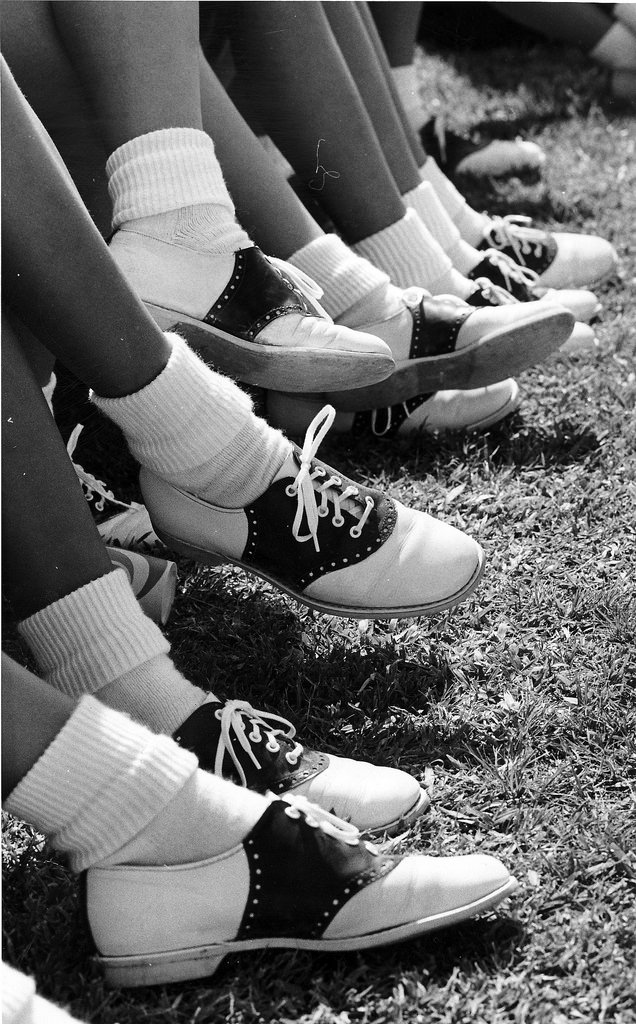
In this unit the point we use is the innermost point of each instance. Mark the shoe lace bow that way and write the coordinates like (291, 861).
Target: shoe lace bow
(235, 716)
(304, 487)
(515, 231)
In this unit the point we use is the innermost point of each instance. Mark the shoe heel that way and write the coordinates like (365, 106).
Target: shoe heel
(161, 969)
(190, 551)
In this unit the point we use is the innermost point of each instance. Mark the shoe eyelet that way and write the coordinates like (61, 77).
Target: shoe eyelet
(272, 747)
(293, 761)
(290, 491)
(323, 511)
(338, 520)
(355, 532)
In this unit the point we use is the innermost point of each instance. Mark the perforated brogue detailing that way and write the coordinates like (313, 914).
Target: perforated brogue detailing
(255, 749)
(300, 875)
(257, 293)
(436, 325)
(386, 422)
(350, 523)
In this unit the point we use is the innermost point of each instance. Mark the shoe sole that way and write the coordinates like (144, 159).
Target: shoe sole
(502, 353)
(275, 367)
(203, 961)
(198, 554)
(399, 827)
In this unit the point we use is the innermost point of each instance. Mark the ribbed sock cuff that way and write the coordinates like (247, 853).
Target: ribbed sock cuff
(165, 170)
(451, 199)
(183, 418)
(407, 252)
(468, 221)
(344, 277)
(425, 201)
(92, 636)
(154, 693)
(99, 783)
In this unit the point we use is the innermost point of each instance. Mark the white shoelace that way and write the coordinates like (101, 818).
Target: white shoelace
(232, 718)
(512, 272)
(333, 826)
(515, 231)
(304, 488)
(305, 284)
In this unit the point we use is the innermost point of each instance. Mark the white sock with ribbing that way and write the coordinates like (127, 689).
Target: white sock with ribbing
(167, 187)
(426, 203)
(344, 277)
(409, 254)
(108, 791)
(98, 641)
(471, 224)
(197, 429)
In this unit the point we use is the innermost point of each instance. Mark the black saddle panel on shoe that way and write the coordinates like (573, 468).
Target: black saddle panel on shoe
(272, 547)
(300, 877)
(256, 294)
(436, 324)
(491, 270)
(200, 733)
(539, 256)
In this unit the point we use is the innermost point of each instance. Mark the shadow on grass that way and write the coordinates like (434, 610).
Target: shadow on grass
(515, 443)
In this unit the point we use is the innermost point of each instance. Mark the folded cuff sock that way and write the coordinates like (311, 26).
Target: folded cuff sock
(92, 636)
(197, 430)
(99, 783)
(165, 170)
(344, 277)
(407, 252)
(470, 223)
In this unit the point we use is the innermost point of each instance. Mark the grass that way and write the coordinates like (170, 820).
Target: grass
(519, 707)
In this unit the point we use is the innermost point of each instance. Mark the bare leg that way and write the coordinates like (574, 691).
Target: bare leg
(50, 546)
(143, 48)
(42, 219)
(295, 81)
(32, 715)
(353, 29)
(397, 23)
(412, 138)
(266, 205)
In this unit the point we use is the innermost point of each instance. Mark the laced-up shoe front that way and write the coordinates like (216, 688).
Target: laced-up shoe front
(500, 281)
(301, 879)
(259, 750)
(337, 546)
(560, 259)
(440, 343)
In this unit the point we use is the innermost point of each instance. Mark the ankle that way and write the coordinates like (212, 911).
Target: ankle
(207, 817)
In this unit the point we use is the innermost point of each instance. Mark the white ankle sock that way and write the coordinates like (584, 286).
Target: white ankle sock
(409, 254)
(98, 641)
(344, 277)
(424, 200)
(471, 224)
(407, 85)
(197, 430)
(107, 789)
(169, 184)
